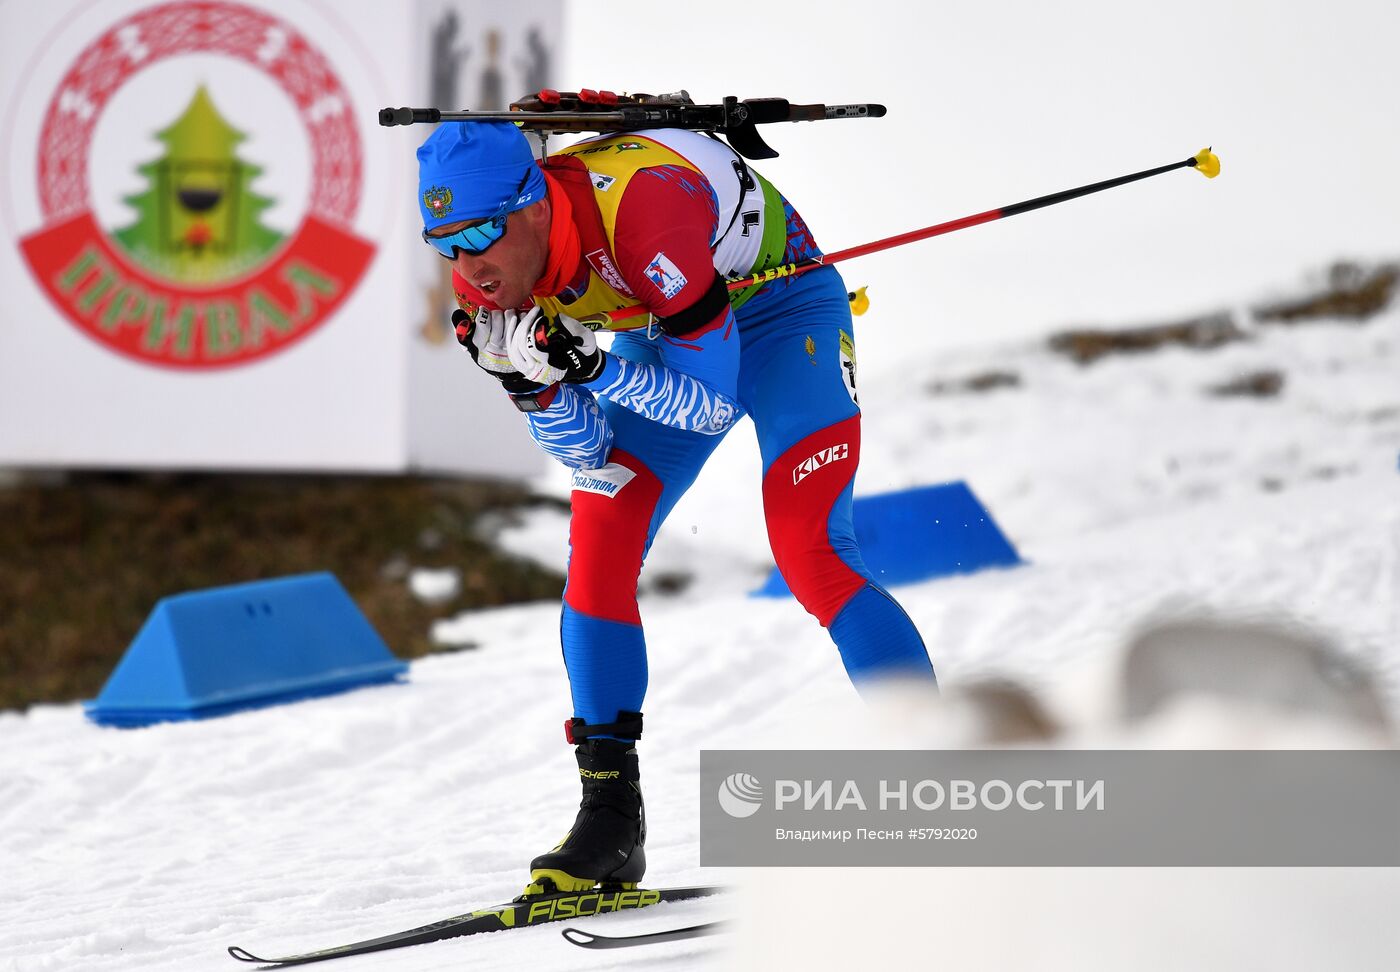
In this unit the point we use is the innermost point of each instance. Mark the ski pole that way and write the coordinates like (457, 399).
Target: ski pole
(1203, 161)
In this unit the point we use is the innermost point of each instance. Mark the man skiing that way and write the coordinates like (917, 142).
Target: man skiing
(658, 218)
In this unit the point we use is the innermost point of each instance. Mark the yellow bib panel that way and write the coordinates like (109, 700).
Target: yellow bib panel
(611, 163)
(751, 234)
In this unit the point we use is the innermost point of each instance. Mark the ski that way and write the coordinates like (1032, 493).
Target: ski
(585, 939)
(523, 912)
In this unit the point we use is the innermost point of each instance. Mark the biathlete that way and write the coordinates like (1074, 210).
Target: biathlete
(664, 219)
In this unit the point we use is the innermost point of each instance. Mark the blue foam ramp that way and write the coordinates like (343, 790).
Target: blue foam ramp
(918, 534)
(216, 651)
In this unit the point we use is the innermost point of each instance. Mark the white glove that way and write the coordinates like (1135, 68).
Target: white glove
(485, 336)
(549, 349)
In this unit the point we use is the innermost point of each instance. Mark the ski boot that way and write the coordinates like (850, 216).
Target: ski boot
(605, 845)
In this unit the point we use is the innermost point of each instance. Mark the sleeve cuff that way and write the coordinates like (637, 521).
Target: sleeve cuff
(611, 370)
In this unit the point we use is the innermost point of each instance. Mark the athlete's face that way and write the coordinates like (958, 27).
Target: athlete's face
(506, 271)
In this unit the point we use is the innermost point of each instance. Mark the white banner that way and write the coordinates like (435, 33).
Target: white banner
(476, 56)
(211, 255)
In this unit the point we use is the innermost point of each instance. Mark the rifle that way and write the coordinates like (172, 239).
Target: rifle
(549, 111)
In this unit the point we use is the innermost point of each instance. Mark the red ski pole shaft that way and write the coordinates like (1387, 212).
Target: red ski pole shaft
(1204, 160)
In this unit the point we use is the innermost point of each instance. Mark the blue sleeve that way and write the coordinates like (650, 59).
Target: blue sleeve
(695, 387)
(572, 429)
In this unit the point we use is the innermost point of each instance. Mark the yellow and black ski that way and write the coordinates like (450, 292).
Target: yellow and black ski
(523, 912)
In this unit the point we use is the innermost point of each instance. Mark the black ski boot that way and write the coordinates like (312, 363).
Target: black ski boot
(605, 845)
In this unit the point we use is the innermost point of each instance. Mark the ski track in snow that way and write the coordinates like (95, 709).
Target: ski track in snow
(1133, 495)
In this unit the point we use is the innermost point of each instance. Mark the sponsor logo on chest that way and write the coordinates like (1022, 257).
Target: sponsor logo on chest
(605, 268)
(826, 457)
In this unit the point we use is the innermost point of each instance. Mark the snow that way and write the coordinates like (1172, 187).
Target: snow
(433, 586)
(1137, 499)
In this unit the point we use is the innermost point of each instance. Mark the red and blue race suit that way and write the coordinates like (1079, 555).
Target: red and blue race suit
(662, 218)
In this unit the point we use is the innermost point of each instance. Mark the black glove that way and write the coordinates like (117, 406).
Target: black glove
(551, 349)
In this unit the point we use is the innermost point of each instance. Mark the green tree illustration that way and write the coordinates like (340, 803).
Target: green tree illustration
(199, 219)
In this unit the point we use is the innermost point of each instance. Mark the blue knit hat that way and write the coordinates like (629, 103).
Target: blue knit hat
(467, 170)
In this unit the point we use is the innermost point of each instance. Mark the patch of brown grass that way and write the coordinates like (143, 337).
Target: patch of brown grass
(1088, 345)
(1353, 293)
(1255, 384)
(83, 562)
(983, 381)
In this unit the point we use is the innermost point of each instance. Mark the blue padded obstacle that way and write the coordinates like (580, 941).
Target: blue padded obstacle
(916, 534)
(212, 652)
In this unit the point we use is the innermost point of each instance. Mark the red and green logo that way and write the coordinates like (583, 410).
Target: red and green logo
(196, 275)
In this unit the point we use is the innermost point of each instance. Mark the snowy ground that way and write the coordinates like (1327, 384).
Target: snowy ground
(1134, 495)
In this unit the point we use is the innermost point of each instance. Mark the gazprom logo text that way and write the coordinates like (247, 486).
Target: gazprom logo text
(606, 481)
(811, 464)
